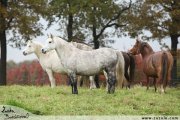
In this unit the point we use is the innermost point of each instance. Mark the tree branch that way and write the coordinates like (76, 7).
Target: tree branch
(113, 19)
(9, 22)
(121, 11)
(166, 7)
(115, 24)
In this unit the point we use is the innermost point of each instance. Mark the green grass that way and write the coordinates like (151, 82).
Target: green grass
(60, 101)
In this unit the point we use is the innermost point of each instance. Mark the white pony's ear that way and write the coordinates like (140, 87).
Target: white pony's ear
(48, 35)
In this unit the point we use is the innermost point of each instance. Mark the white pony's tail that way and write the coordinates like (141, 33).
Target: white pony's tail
(120, 69)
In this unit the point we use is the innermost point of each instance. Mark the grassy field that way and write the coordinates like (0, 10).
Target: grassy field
(60, 101)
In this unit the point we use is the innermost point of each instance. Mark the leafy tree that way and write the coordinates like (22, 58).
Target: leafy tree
(67, 14)
(98, 16)
(19, 17)
(31, 73)
(88, 16)
(79, 17)
(161, 18)
(103, 14)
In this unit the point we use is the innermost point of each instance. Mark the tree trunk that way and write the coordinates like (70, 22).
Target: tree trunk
(3, 58)
(70, 27)
(95, 38)
(3, 3)
(174, 43)
(96, 43)
(96, 46)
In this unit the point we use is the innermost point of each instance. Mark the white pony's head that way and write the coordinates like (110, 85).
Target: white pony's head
(50, 45)
(30, 48)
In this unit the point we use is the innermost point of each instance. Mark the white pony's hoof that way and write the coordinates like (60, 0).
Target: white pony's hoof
(53, 86)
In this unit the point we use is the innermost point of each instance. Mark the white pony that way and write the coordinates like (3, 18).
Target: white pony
(119, 67)
(83, 46)
(50, 61)
(81, 62)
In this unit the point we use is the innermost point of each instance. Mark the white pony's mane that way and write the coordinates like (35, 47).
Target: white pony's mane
(36, 42)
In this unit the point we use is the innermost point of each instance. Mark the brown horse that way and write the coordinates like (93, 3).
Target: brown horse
(155, 64)
(129, 68)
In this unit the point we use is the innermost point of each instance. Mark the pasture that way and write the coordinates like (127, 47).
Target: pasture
(60, 101)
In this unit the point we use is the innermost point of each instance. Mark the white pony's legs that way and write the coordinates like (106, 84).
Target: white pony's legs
(106, 76)
(51, 78)
(92, 83)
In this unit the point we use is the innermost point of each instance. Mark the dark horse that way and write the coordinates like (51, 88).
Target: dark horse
(129, 68)
(155, 64)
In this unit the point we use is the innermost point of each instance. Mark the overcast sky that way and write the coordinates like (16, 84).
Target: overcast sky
(122, 44)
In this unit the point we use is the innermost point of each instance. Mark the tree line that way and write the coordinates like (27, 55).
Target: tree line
(31, 73)
(89, 20)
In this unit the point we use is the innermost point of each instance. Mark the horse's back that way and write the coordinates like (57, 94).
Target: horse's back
(153, 63)
(91, 62)
(169, 57)
(101, 54)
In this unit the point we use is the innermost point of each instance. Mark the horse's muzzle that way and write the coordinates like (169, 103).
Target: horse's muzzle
(43, 51)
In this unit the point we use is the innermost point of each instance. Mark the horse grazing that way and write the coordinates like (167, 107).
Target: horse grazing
(50, 61)
(129, 68)
(81, 62)
(155, 64)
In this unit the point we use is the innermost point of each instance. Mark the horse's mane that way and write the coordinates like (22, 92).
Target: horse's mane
(82, 43)
(78, 41)
(38, 44)
(145, 44)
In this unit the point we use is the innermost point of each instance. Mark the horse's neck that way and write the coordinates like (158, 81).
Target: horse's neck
(147, 52)
(38, 50)
(66, 49)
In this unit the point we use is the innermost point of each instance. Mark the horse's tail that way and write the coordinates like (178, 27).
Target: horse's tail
(132, 67)
(120, 69)
(164, 67)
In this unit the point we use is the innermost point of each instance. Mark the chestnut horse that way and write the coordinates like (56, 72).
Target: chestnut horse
(155, 64)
